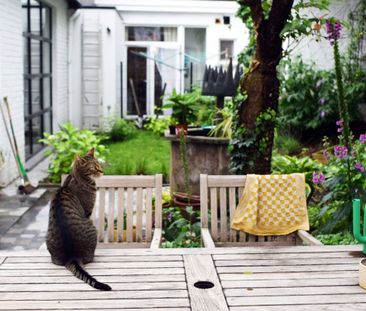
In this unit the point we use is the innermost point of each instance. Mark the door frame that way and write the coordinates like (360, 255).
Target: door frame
(150, 72)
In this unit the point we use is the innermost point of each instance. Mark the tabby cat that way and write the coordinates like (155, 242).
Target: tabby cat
(72, 238)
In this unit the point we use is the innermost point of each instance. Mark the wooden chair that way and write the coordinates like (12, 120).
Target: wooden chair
(220, 195)
(128, 210)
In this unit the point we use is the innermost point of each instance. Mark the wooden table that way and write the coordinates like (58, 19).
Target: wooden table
(261, 278)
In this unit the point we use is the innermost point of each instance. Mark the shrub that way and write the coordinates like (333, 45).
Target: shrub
(122, 129)
(308, 98)
(65, 144)
(287, 144)
(158, 126)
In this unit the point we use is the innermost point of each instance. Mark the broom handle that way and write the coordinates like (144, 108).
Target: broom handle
(21, 167)
(10, 140)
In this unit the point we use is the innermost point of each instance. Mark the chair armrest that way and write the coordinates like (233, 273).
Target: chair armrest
(307, 238)
(156, 240)
(207, 239)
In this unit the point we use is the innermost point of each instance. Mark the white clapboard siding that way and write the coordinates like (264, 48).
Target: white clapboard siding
(220, 195)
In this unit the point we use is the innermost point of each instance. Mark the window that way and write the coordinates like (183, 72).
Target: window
(226, 49)
(37, 47)
(151, 34)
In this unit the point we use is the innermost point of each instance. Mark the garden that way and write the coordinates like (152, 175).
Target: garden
(314, 126)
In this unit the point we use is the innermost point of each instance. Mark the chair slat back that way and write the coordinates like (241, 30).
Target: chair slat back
(127, 207)
(220, 194)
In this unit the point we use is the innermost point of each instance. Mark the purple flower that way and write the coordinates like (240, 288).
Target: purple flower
(362, 138)
(359, 167)
(340, 126)
(322, 114)
(322, 101)
(170, 217)
(318, 177)
(339, 123)
(340, 152)
(333, 30)
(318, 84)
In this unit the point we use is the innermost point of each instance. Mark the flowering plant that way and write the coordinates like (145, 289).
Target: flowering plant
(343, 178)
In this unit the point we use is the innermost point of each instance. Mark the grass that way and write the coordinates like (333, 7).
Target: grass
(145, 154)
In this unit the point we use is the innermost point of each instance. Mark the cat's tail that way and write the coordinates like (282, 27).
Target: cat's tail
(81, 274)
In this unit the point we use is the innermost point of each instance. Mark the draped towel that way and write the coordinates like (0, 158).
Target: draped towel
(272, 205)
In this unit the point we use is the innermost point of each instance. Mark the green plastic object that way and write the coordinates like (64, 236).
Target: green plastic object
(357, 223)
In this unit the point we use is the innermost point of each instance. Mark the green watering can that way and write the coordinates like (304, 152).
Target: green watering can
(357, 223)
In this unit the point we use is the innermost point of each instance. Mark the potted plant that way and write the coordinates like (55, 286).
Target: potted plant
(362, 273)
(184, 109)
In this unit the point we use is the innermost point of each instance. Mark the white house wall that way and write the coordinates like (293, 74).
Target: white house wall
(11, 81)
(94, 64)
(11, 74)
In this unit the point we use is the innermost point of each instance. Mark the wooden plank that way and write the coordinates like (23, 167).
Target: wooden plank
(232, 206)
(290, 283)
(223, 215)
(129, 210)
(148, 205)
(213, 205)
(226, 180)
(296, 300)
(287, 262)
(120, 181)
(155, 243)
(201, 268)
(104, 271)
(298, 268)
(55, 283)
(111, 200)
(287, 256)
(101, 215)
(99, 258)
(206, 238)
(316, 290)
(139, 204)
(307, 238)
(246, 275)
(120, 214)
(204, 200)
(94, 295)
(97, 304)
(158, 201)
(310, 307)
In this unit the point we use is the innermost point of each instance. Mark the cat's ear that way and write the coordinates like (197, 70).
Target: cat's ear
(91, 152)
(78, 159)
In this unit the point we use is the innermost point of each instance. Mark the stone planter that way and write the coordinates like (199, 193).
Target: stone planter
(362, 273)
(206, 155)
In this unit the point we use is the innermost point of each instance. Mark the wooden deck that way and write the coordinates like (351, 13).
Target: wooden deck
(261, 278)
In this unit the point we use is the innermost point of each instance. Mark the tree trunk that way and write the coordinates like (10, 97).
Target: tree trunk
(261, 84)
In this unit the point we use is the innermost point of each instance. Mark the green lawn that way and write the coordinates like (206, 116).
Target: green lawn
(145, 154)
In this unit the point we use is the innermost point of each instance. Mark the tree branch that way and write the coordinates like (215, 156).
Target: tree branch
(280, 12)
(256, 10)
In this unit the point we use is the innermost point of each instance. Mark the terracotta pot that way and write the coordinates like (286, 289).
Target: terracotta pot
(362, 273)
(183, 200)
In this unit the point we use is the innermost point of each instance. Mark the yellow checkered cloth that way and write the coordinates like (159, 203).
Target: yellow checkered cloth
(272, 205)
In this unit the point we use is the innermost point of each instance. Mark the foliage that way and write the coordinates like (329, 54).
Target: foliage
(178, 231)
(344, 179)
(65, 144)
(121, 129)
(307, 98)
(158, 125)
(300, 24)
(224, 127)
(288, 165)
(284, 144)
(340, 238)
(147, 153)
(249, 145)
(184, 107)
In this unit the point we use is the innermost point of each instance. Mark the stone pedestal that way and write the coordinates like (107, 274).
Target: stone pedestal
(205, 155)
